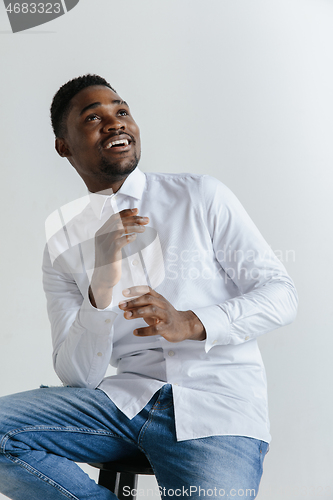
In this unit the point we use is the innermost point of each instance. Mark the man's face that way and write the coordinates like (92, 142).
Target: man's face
(102, 140)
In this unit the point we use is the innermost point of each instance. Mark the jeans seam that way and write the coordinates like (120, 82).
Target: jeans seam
(157, 407)
(151, 465)
(44, 428)
(140, 439)
(40, 475)
(154, 408)
(144, 427)
(261, 457)
(147, 423)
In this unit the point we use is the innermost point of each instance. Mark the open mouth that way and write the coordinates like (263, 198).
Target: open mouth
(117, 144)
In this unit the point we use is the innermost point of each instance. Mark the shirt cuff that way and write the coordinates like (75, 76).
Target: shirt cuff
(217, 325)
(99, 321)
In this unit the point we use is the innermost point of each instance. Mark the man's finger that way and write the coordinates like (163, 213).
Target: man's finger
(128, 211)
(143, 300)
(148, 331)
(135, 220)
(116, 220)
(146, 311)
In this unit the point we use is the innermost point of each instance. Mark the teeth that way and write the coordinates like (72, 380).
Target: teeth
(114, 143)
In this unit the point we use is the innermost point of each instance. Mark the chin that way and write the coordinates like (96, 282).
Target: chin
(117, 171)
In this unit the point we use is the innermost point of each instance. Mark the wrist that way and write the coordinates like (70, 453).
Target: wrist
(100, 297)
(196, 329)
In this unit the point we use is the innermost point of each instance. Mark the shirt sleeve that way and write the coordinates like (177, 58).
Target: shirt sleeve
(81, 334)
(267, 296)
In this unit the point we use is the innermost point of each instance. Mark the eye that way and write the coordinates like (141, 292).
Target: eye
(92, 118)
(123, 112)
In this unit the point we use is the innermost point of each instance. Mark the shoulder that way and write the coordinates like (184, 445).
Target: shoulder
(180, 178)
(185, 181)
(172, 178)
(201, 189)
(180, 188)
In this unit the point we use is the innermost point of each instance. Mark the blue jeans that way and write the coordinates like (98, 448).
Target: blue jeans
(45, 431)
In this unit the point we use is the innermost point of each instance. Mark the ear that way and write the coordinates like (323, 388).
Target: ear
(62, 147)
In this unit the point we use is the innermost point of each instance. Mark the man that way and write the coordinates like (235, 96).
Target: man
(165, 277)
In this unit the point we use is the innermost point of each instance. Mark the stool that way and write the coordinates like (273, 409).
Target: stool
(116, 475)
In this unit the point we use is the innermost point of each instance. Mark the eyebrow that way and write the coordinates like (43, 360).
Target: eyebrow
(97, 104)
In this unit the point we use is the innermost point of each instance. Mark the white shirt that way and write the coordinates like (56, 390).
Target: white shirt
(202, 252)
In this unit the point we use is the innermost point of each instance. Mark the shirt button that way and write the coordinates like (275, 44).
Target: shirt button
(171, 353)
(135, 262)
(247, 338)
(107, 321)
(214, 342)
(99, 354)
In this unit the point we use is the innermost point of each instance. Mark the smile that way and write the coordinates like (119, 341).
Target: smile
(117, 144)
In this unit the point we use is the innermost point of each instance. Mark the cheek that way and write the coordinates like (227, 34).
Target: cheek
(84, 145)
(138, 139)
(136, 131)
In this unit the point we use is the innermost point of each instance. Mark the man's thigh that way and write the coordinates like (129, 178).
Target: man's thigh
(216, 466)
(80, 424)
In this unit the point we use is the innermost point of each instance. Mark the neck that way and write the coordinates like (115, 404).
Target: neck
(108, 187)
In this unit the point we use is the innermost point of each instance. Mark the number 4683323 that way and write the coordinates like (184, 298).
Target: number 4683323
(34, 8)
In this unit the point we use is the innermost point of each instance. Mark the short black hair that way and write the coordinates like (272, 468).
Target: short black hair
(61, 103)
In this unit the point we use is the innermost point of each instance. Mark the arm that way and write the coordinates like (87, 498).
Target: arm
(81, 332)
(267, 298)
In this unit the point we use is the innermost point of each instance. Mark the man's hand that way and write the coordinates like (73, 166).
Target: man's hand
(163, 319)
(109, 241)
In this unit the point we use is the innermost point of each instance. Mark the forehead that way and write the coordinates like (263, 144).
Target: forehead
(91, 95)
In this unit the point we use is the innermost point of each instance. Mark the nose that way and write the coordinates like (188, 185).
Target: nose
(113, 123)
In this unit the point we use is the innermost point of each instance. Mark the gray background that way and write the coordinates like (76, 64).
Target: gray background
(239, 89)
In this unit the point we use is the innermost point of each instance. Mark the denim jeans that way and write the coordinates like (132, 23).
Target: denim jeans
(45, 431)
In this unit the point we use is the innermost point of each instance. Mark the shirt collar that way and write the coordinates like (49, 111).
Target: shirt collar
(133, 187)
